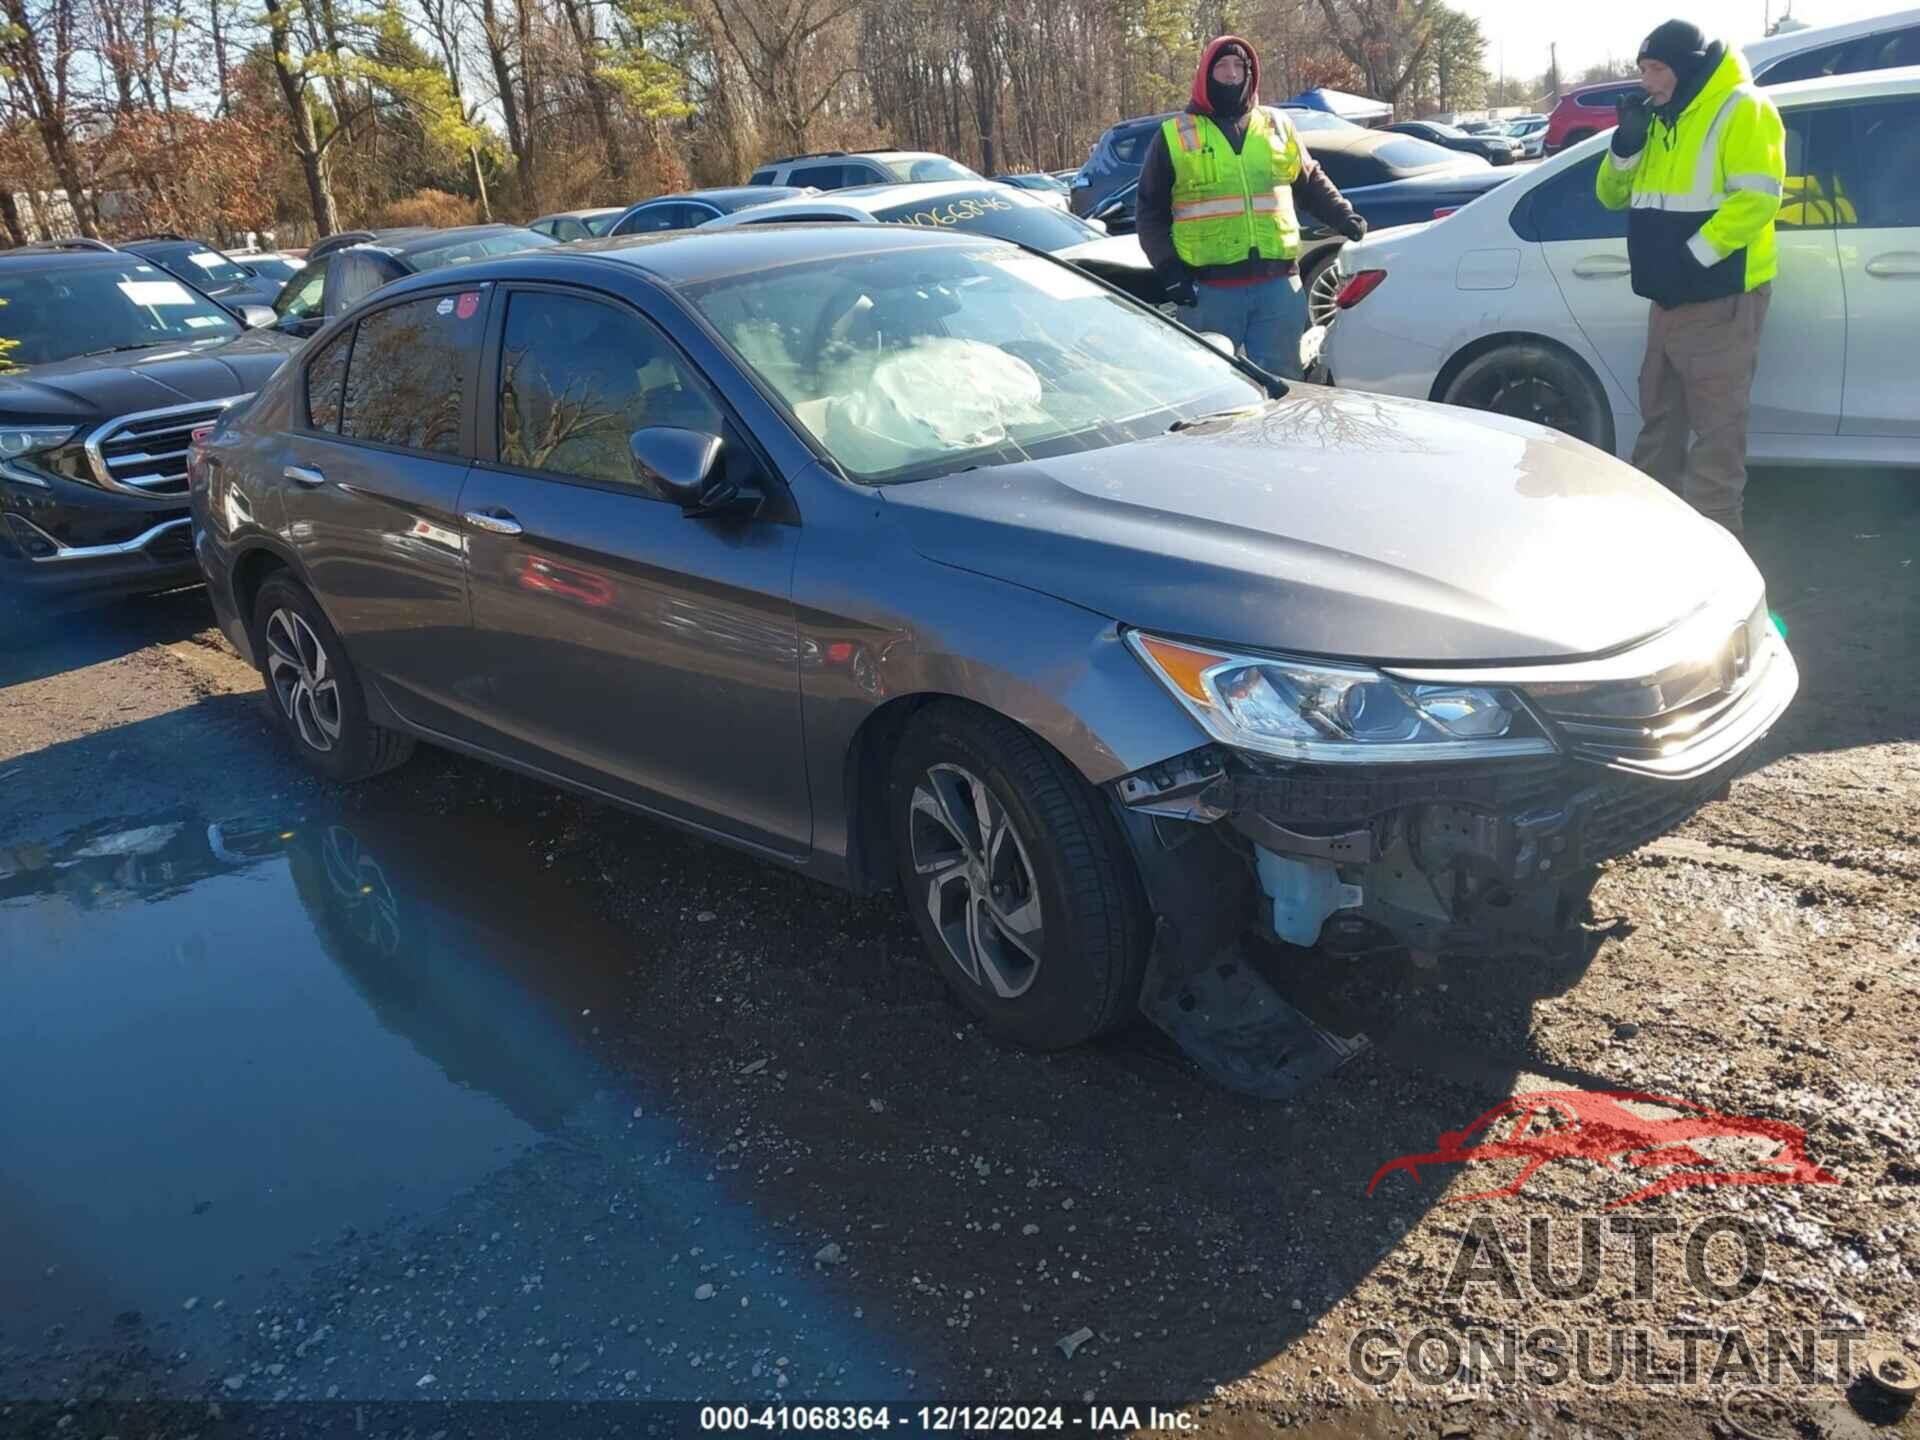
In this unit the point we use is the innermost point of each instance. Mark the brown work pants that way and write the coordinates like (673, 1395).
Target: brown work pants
(1698, 377)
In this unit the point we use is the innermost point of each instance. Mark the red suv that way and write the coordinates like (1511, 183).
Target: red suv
(1583, 112)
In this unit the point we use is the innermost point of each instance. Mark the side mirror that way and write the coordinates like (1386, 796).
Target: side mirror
(1224, 344)
(257, 317)
(1099, 225)
(683, 467)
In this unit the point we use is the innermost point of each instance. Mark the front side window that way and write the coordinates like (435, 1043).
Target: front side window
(1566, 208)
(653, 219)
(63, 310)
(821, 177)
(327, 382)
(1822, 60)
(300, 298)
(409, 372)
(578, 377)
(913, 362)
(1876, 177)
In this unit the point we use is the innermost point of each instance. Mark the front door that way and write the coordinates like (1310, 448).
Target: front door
(369, 488)
(1802, 349)
(628, 646)
(1878, 174)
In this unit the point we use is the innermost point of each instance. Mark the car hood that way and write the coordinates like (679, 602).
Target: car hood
(1113, 252)
(1338, 524)
(104, 386)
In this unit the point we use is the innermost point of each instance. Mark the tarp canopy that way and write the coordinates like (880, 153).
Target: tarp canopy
(1357, 108)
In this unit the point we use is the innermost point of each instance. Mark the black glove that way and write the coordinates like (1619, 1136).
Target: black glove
(1182, 290)
(1634, 119)
(1354, 227)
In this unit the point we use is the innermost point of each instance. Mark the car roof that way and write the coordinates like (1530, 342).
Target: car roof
(689, 257)
(1792, 42)
(586, 214)
(407, 242)
(1861, 85)
(30, 256)
(869, 199)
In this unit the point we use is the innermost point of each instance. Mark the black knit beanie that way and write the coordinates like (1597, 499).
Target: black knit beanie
(1680, 45)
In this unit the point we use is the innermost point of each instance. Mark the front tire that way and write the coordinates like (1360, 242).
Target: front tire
(315, 690)
(1018, 878)
(1538, 383)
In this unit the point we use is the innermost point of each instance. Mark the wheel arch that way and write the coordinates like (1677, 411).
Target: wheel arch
(1487, 344)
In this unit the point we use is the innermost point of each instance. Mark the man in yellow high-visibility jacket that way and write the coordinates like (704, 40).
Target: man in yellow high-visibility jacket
(1701, 158)
(1216, 210)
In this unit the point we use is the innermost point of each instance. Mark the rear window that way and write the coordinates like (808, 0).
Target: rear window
(479, 247)
(984, 213)
(929, 168)
(1409, 155)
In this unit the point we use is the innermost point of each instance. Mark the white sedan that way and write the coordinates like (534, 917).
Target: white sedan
(1520, 302)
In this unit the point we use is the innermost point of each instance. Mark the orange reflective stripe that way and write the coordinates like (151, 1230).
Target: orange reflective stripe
(1224, 208)
(1189, 132)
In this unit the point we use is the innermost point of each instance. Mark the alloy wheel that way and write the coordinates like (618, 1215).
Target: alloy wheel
(980, 887)
(1321, 294)
(1527, 395)
(303, 679)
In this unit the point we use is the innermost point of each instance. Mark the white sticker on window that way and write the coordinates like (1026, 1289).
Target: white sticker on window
(207, 259)
(156, 292)
(201, 322)
(445, 307)
(1049, 278)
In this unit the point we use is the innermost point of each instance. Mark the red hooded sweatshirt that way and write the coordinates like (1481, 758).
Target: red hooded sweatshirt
(1313, 193)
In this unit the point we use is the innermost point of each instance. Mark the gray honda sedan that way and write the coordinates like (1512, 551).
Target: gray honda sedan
(922, 560)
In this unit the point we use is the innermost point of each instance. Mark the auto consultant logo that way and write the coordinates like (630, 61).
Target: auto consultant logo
(1682, 1145)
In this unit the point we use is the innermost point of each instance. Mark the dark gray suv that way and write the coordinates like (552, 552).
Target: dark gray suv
(917, 559)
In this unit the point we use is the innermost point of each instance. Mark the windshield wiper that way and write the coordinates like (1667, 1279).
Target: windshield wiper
(116, 349)
(1198, 420)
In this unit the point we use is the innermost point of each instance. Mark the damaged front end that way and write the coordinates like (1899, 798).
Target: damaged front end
(1358, 845)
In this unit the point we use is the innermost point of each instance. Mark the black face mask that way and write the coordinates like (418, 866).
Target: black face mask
(1228, 101)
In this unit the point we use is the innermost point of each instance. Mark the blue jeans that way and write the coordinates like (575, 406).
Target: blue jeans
(1264, 321)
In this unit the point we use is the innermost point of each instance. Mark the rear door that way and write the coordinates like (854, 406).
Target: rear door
(370, 484)
(1802, 349)
(1876, 201)
(627, 646)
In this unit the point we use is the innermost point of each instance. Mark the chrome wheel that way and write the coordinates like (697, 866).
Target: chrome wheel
(1322, 291)
(303, 679)
(980, 888)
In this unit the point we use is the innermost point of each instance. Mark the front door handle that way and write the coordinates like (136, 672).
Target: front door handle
(1900, 265)
(496, 522)
(304, 474)
(1602, 267)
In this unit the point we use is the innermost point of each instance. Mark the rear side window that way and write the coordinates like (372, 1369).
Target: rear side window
(327, 382)
(824, 177)
(655, 218)
(762, 176)
(1876, 179)
(578, 377)
(1809, 64)
(410, 370)
(1566, 208)
(299, 299)
(1887, 52)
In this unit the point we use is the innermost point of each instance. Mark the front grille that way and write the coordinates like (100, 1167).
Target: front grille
(147, 453)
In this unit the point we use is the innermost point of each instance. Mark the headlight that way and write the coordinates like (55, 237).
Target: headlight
(1315, 711)
(18, 440)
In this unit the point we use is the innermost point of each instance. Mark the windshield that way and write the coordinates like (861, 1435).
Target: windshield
(920, 170)
(56, 312)
(984, 213)
(1318, 120)
(479, 247)
(201, 266)
(273, 267)
(1409, 155)
(923, 361)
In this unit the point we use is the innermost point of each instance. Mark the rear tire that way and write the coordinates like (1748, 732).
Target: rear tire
(314, 689)
(1018, 878)
(1322, 282)
(1538, 383)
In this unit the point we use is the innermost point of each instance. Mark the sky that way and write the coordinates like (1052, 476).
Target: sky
(1589, 32)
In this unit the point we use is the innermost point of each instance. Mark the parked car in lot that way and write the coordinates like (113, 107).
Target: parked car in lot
(1115, 160)
(223, 277)
(342, 269)
(1390, 179)
(839, 169)
(907, 557)
(1492, 148)
(695, 207)
(1583, 112)
(107, 365)
(977, 208)
(275, 265)
(1531, 132)
(1523, 303)
(568, 225)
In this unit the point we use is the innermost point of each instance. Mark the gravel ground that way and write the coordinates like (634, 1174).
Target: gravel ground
(608, 1113)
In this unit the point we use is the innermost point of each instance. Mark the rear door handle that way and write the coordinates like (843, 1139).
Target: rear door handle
(496, 522)
(1602, 267)
(304, 474)
(1900, 265)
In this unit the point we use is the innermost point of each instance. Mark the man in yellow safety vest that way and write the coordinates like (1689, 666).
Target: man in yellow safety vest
(1217, 213)
(1701, 158)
